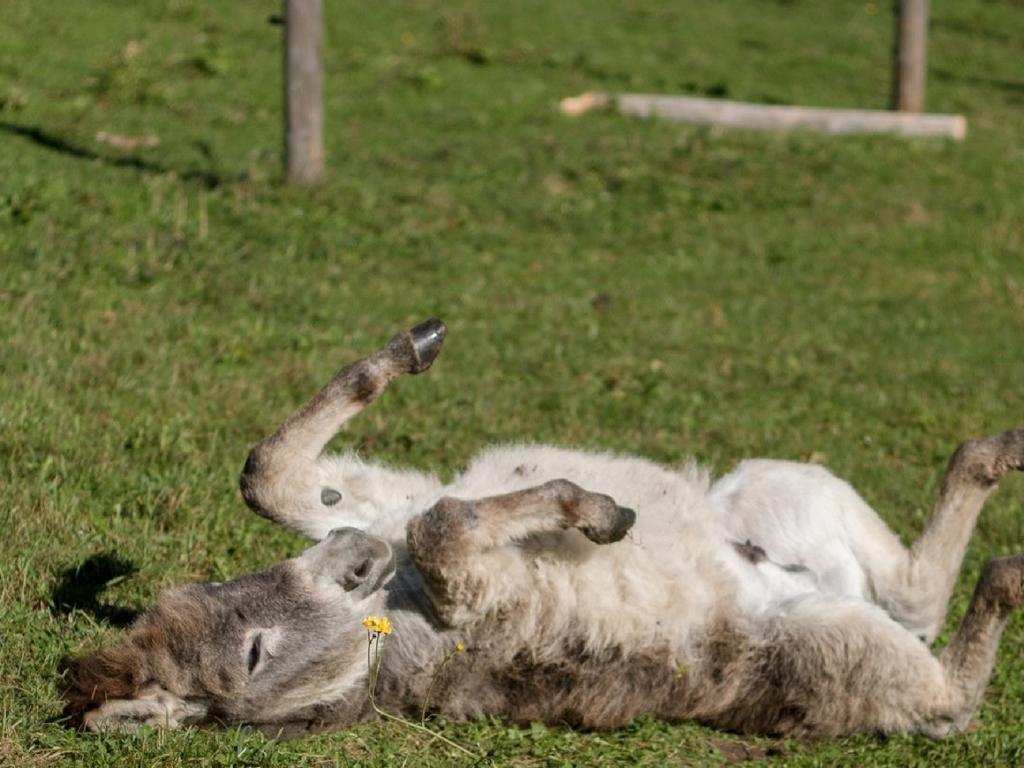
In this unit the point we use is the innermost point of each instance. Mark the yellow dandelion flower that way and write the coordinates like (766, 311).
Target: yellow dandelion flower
(459, 648)
(379, 624)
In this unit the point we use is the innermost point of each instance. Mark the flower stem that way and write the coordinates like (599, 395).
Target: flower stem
(430, 688)
(374, 666)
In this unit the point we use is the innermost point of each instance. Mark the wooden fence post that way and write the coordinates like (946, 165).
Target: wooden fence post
(303, 91)
(910, 56)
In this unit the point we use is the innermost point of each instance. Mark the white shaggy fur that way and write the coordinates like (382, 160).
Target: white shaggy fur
(682, 541)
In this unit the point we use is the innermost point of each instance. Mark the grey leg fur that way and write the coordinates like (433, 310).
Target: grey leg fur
(918, 594)
(459, 547)
(971, 653)
(281, 476)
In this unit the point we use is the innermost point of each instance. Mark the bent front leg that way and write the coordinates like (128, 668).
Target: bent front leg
(467, 551)
(286, 480)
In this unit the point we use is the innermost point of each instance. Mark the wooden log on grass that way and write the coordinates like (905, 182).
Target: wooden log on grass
(737, 114)
(303, 90)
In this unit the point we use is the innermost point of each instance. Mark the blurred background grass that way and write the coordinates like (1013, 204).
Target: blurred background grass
(639, 286)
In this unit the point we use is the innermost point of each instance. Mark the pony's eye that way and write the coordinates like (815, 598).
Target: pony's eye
(254, 652)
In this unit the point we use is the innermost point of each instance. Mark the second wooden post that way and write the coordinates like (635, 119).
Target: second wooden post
(911, 55)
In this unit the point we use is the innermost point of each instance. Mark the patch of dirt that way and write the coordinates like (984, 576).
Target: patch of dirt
(736, 752)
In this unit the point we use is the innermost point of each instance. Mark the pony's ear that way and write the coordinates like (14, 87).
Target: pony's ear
(90, 681)
(152, 706)
(111, 690)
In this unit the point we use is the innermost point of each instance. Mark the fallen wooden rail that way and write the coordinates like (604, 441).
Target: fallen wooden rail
(737, 114)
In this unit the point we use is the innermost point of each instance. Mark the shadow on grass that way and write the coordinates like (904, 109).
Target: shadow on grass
(79, 587)
(57, 144)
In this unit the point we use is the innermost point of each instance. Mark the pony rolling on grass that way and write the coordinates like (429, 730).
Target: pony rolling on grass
(579, 588)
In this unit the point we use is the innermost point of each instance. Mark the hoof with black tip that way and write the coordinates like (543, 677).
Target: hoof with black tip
(426, 338)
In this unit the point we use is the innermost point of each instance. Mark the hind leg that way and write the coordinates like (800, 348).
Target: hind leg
(467, 553)
(923, 588)
(803, 514)
(287, 480)
(827, 666)
(916, 588)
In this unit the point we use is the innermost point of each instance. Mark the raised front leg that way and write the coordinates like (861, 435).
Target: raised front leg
(285, 478)
(467, 553)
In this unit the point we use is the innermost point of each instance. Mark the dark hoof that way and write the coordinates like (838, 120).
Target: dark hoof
(1002, 582)
(620, 527)
(427, 338)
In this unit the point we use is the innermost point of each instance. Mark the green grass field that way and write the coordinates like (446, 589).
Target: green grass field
(638, 286)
